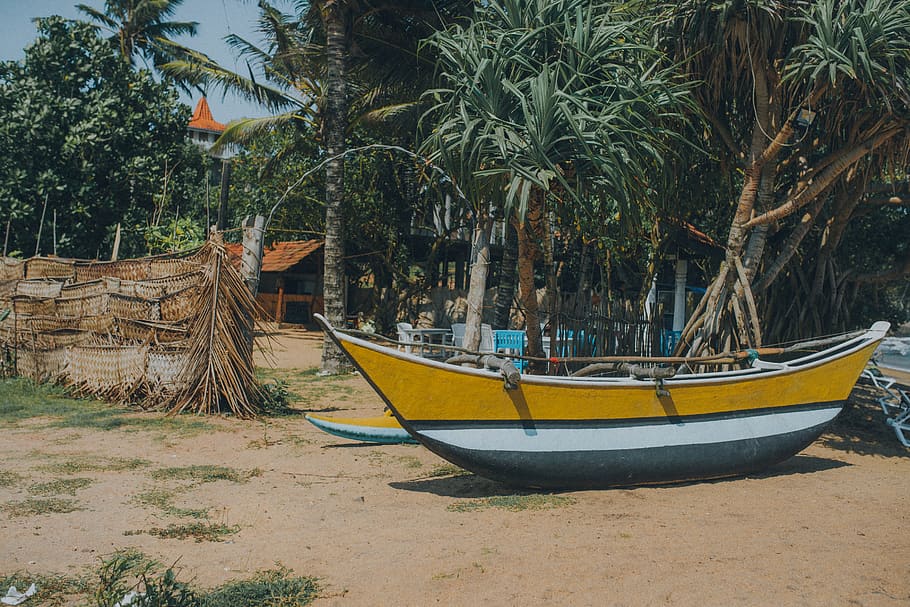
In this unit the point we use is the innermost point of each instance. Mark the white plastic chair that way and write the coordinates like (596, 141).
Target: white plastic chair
(486, 338)
(406, 338)
(458, 329)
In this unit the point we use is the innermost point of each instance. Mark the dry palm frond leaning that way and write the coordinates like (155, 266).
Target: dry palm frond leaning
(219, 376)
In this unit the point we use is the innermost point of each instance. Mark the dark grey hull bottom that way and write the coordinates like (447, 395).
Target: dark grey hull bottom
(623, 467)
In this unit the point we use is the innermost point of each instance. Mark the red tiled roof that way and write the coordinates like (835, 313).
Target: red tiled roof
(280, 256)
(202, 118)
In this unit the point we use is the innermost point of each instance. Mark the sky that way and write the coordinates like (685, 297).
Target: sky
(217, 19)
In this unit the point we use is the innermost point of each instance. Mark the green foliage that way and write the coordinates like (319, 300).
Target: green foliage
(129, 571)
(102, 143)
(178, 234)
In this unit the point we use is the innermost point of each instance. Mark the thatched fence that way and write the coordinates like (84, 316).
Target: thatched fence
(170, 332)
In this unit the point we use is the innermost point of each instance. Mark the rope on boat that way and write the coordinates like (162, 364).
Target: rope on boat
(510, 373)
(721, 358)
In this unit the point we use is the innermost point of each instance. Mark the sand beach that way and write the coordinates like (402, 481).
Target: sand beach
(396, 525)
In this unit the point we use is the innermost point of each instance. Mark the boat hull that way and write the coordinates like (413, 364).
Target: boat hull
(598, 432)
(596, 454)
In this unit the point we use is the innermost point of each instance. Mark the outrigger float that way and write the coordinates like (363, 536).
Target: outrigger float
(652, 426)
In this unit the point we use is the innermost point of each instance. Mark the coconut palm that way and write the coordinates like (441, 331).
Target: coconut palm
(544, 104)
(336, 63)
(142, 27)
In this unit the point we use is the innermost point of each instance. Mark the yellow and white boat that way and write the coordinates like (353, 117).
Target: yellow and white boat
(605, 431)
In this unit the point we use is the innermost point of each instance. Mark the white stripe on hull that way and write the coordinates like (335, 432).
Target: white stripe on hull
(533, 439)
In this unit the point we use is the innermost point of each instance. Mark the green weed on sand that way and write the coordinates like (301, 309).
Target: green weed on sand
(60, 486)
(23, 400)
(37, 506)
(514, 503)
(77, 463)
(200, 532)
(205, 474)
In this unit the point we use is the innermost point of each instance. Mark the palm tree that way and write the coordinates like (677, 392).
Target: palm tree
(812, 101)
(546, 104)
(336, 63)
(142, 27)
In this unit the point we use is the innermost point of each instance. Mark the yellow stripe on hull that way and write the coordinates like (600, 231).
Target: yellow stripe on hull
(429, 391)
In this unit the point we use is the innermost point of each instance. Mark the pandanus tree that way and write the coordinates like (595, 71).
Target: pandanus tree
(547, 105)
(333, 64)
(811, 102)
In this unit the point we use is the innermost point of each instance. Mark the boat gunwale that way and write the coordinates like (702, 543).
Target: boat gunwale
(759, 369)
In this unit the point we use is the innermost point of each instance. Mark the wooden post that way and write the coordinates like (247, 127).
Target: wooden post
(225, 188)
(279, 305)
(251, 260)
(116, 250)
(40, 225)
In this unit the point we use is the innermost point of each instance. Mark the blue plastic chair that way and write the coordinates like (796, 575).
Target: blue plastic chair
(511, 342)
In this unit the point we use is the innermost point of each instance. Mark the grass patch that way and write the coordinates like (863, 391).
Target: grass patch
(22, 399)
(205, 474)
(37, 506)
(513, 503)
(163, 500)
(200, 532)
(447, 470)
(10, 479)
(60, 486)
(53, 590)
(158, 586)
(271, 588)
(74, 464)
(304, 388)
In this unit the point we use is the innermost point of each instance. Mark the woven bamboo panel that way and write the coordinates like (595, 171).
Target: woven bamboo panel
(102, 368)
(96, 324)
(31, 306)
(164, 366)
(158, 332)
(11, 269)
(162, 268)
(84, 289)
(83, 306)
(40, 365)
(8, 288)
(122, 306)
(42, 267)
(39, 288)
(159, 287)
(52, 340)
(130, 269)
(179, 305)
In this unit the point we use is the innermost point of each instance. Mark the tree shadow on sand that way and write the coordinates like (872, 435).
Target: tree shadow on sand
(861, 427)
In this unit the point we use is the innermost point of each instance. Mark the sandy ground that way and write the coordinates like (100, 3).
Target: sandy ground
(390, 525)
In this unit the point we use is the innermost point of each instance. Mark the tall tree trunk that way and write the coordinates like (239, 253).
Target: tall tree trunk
(335, 17)
(506, 290)
(529, 239)
(480, 268)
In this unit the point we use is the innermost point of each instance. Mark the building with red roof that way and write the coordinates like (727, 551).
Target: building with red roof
(290, 281)
(203, 128)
